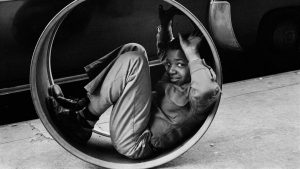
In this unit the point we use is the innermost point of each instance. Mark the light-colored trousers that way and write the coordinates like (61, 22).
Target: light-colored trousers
(126, 86)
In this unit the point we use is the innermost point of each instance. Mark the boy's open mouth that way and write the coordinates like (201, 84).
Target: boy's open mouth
(174, 79)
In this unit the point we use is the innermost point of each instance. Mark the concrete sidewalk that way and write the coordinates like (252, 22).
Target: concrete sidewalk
(257, 126)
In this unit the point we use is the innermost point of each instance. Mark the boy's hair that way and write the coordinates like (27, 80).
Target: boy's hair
(172, 45)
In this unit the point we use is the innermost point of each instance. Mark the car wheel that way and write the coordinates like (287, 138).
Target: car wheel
(285, 37)
(281, 34)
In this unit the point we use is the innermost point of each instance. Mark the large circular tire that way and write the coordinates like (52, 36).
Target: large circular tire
(99, 151)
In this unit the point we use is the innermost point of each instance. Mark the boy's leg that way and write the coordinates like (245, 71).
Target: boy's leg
(95, 68)
(127, 87)
(104, 98)
(94, 86)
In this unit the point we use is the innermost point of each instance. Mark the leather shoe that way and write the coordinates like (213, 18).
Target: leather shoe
(68, 122)
(76, 104)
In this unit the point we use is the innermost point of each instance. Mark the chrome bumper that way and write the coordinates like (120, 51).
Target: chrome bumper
(221, 26)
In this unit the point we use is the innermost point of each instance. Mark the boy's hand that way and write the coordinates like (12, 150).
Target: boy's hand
(166, 16)
(190, 45)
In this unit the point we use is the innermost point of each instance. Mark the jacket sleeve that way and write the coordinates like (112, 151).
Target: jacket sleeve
(163, 36)
(204, 88)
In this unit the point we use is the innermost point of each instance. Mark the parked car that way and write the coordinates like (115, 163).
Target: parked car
(21, 23)
(90, 31)
(96, 27)
(257, 24)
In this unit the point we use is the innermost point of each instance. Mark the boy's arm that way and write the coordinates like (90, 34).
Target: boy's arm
(163, 36)
(204, 88)
(165, 29)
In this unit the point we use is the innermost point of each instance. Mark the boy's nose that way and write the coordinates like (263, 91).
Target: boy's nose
(172, 70)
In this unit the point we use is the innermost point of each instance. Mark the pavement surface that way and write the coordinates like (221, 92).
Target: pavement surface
(257, 126)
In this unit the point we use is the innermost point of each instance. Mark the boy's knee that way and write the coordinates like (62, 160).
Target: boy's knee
(133, 47)
(135, 57)
(130, 47)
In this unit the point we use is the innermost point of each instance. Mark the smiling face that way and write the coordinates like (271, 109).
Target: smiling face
(177, 67)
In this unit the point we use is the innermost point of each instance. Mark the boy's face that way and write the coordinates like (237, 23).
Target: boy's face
(177, 67)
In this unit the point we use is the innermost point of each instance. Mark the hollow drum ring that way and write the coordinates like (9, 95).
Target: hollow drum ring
(41, 79)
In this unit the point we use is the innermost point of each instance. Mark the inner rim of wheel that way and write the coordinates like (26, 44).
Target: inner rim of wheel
(102, 153)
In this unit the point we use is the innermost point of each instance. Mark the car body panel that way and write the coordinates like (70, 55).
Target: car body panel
(221, 25)
(247, 15)
(21, 22)
(88, 33)
(97, 27)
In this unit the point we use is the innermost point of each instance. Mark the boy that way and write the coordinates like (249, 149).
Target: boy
(142, 123)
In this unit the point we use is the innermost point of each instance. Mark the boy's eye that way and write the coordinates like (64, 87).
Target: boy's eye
(180, 64)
